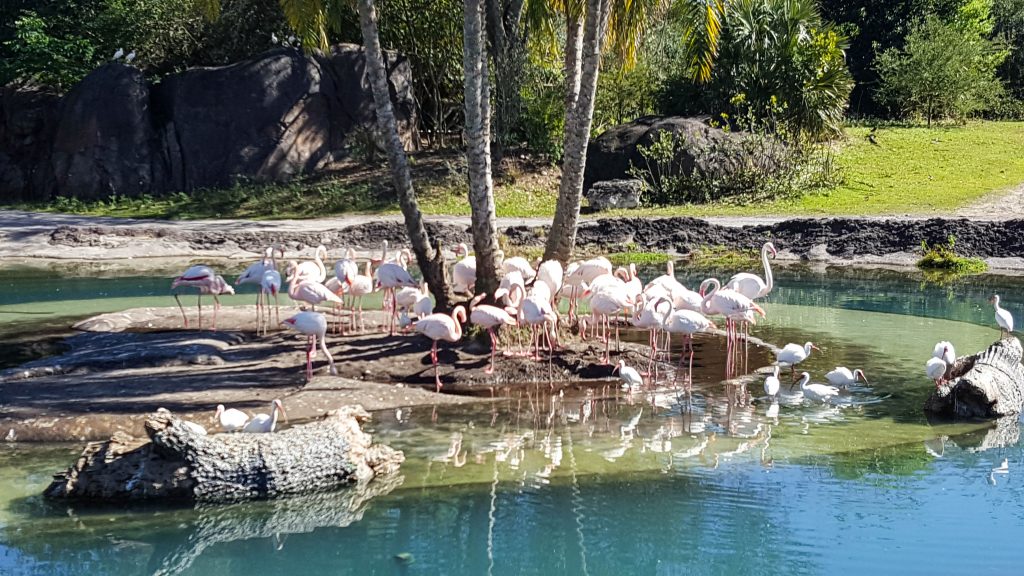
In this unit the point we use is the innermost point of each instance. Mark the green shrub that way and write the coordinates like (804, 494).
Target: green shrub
(944, 258)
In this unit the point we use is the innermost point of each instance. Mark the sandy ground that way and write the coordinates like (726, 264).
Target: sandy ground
(1005, 205)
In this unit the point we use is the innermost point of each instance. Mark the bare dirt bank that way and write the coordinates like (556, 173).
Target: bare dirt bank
(894, 241)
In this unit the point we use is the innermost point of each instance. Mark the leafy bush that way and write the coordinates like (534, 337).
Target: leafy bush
(944, 258)
(779, 61)
(543, 119)
(945, 70)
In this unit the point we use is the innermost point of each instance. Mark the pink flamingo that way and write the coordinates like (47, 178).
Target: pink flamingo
(390, 276)
(464, 272)
(361, 285)
(652, 317)
(537, 311)
(313, 325)
(604, 303)
(728, 303)
(490, 317)
(441, 327)
(687, 323)
(302, 289)
(270, 285)
(254, 274)
(208, 282)
(314, 270)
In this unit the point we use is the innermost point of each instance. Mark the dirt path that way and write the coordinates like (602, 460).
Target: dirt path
(1005, 205)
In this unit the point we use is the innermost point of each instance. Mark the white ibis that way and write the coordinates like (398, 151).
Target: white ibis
(842, 376)
(1003, 317)
(313, 325)
(817, 392)
(935, 368)
(751, 285)
(265, 423)
(490, 317)
(230, 419)
(441, 327)
(771, 383)
(793, 354)
(631, 379)
(944, 350)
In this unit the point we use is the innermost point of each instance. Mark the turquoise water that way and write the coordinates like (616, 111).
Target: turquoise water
(602, 483)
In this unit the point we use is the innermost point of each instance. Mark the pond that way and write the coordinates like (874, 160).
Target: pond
(601, 482)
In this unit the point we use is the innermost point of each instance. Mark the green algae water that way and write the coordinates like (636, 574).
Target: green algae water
(598, 482)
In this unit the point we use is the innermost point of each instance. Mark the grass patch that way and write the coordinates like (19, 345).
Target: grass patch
(942, 263)
(723, 257)
(639, 258)
(912, 170)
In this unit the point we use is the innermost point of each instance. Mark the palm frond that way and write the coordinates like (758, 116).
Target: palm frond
(627, 23)
(703, 28)
(308, 18)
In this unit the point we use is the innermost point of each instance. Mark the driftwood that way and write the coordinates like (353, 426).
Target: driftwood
(989, 384)
(179, 463)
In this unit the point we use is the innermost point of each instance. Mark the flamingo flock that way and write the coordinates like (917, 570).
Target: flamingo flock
(530, 297)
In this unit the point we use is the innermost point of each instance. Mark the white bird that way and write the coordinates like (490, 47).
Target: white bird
(256, 274)
(652, 317)
(550, 272)
(230, 419)
(273, 38)
(687, 323)
(944, 350)
(771, 383)
(935, 368)
(389, 277)
(441, 327)
(606, 303)
(751, 285)
(265, 423)
(536, 311)
(315, 270)
(631, 379)
(490, 317)
(793, 354)
(667, 280)
(208, 282)
(360, 285)
(194, 428)
(842, 376)
(347, 267)
(633, 285)
(313, 325)
(1003, 317)
(131, 56)
(1003, 468)
(118, 53)
(311, 293)
(817, 392)
(516, 264)
(464, 272)
(729, 303)
(508, 281)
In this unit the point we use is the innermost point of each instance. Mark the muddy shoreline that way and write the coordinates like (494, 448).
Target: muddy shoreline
(121, 366)
(870, 241)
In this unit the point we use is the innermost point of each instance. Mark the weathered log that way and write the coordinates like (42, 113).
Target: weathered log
(179, 463)
(989, 384)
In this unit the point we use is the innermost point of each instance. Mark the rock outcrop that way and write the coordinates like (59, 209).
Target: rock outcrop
(612, 194)
(989, 384)
(180, 462)
(270, 118)
(610, 155)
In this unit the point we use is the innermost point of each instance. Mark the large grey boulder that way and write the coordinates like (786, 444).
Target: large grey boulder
(610, 155)
(989, 384)
(270, 118)
(612, 194)
(104, 142)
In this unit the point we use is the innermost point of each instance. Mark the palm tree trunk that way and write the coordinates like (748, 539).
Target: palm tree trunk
(478, 153)
(428, 258)
(562, 238)
(573, 60)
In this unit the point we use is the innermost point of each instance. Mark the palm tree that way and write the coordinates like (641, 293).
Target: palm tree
(620, 23)
(310, 20)
(478, 141)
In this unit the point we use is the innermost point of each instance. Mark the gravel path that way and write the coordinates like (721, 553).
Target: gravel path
(1006, 205)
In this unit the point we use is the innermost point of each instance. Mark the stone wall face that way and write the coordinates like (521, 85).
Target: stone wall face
(270, 118)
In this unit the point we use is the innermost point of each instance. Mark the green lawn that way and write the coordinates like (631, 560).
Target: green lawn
(911, 171)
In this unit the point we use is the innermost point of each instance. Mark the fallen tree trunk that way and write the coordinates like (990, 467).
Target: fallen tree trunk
(182, 463)
(989, 384)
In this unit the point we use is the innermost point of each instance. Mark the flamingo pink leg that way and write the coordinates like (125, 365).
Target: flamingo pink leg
(494, 347)
(433, 358)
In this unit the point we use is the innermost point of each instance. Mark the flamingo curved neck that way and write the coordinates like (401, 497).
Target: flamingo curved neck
(705, 304)
(804, 381)
(670, 268)
(459, 316)
(768, 278)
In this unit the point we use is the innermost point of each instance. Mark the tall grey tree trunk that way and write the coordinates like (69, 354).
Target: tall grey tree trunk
(508, 52)
(562, 237)
(573, 60)
(428, 258)
(478, 151)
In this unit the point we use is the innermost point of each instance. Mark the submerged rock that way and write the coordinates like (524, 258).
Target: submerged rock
(180, 463)
(989, 384)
